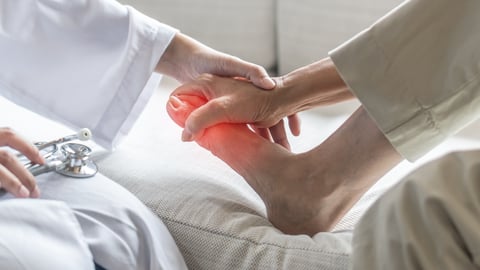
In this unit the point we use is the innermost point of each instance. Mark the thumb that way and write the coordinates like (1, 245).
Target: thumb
(212, 113)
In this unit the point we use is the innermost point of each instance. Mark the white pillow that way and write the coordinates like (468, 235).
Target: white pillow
(217, 220)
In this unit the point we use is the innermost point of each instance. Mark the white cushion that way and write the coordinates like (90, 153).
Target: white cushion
(241, 28)
(309, 29)
(216, 219)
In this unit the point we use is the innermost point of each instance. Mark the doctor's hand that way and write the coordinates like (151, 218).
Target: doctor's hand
(13, 176)
(185, 59)
(230, 100)
(233, 101)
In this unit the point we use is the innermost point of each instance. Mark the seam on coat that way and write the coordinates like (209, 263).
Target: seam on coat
(14, 255)
(426, 110)
(124, 82)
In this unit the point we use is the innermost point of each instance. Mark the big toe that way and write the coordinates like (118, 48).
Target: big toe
(180, 107)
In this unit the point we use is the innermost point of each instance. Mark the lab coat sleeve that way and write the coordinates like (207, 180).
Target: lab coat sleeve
(85, 63)
(417, 72)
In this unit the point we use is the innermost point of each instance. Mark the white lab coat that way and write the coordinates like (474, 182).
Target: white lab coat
(85, 63)
(79, 221)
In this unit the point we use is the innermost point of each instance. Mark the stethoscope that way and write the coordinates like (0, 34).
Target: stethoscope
(71, 160)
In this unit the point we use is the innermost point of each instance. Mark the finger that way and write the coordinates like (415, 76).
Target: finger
(294, 124)
(235, 67)
(264, 132)
(212, 113)
(193, 89)
(11, 183)
(279, 135)
(10, 162)
(10, 138)
(179, 108)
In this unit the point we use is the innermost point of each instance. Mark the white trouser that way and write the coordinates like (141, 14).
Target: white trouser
(78, 221)
(430, 220)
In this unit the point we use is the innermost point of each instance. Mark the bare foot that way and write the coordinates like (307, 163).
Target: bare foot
(298, 201)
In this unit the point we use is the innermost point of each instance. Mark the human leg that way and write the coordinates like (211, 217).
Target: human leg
(303, 193)
(430, 220)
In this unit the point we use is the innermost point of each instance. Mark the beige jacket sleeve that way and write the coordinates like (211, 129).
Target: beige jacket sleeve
(417, 71)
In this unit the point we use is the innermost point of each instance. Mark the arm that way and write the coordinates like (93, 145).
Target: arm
(416, 72)
(60, 56)
(232, 101)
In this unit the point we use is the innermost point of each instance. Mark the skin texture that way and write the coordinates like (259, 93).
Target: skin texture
(314, 85)
(186, 59)
(304, 193)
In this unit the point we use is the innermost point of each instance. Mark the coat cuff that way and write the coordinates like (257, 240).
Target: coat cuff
(149, 41)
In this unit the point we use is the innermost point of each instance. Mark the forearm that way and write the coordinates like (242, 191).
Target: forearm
(313, 85)
(349, 162)
(172, 62)
(420, 88)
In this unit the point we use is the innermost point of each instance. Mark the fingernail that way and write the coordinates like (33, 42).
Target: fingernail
(23, 192)
(187, 136)
(35, 193)
(41, 160)
(175, 101)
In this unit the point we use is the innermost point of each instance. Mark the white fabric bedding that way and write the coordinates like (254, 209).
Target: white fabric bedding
(216, 219)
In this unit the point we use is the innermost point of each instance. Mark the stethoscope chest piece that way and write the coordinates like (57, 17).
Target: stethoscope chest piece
(76, 162)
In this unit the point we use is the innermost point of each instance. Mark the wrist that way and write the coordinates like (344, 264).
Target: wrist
(177, 57)
(167, 62)
(314, 85)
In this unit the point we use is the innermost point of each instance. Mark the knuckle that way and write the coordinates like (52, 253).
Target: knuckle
(29, 181)
(7, 132)
(206, 81)
(6, 157)
(11, 185)
(220, 106)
